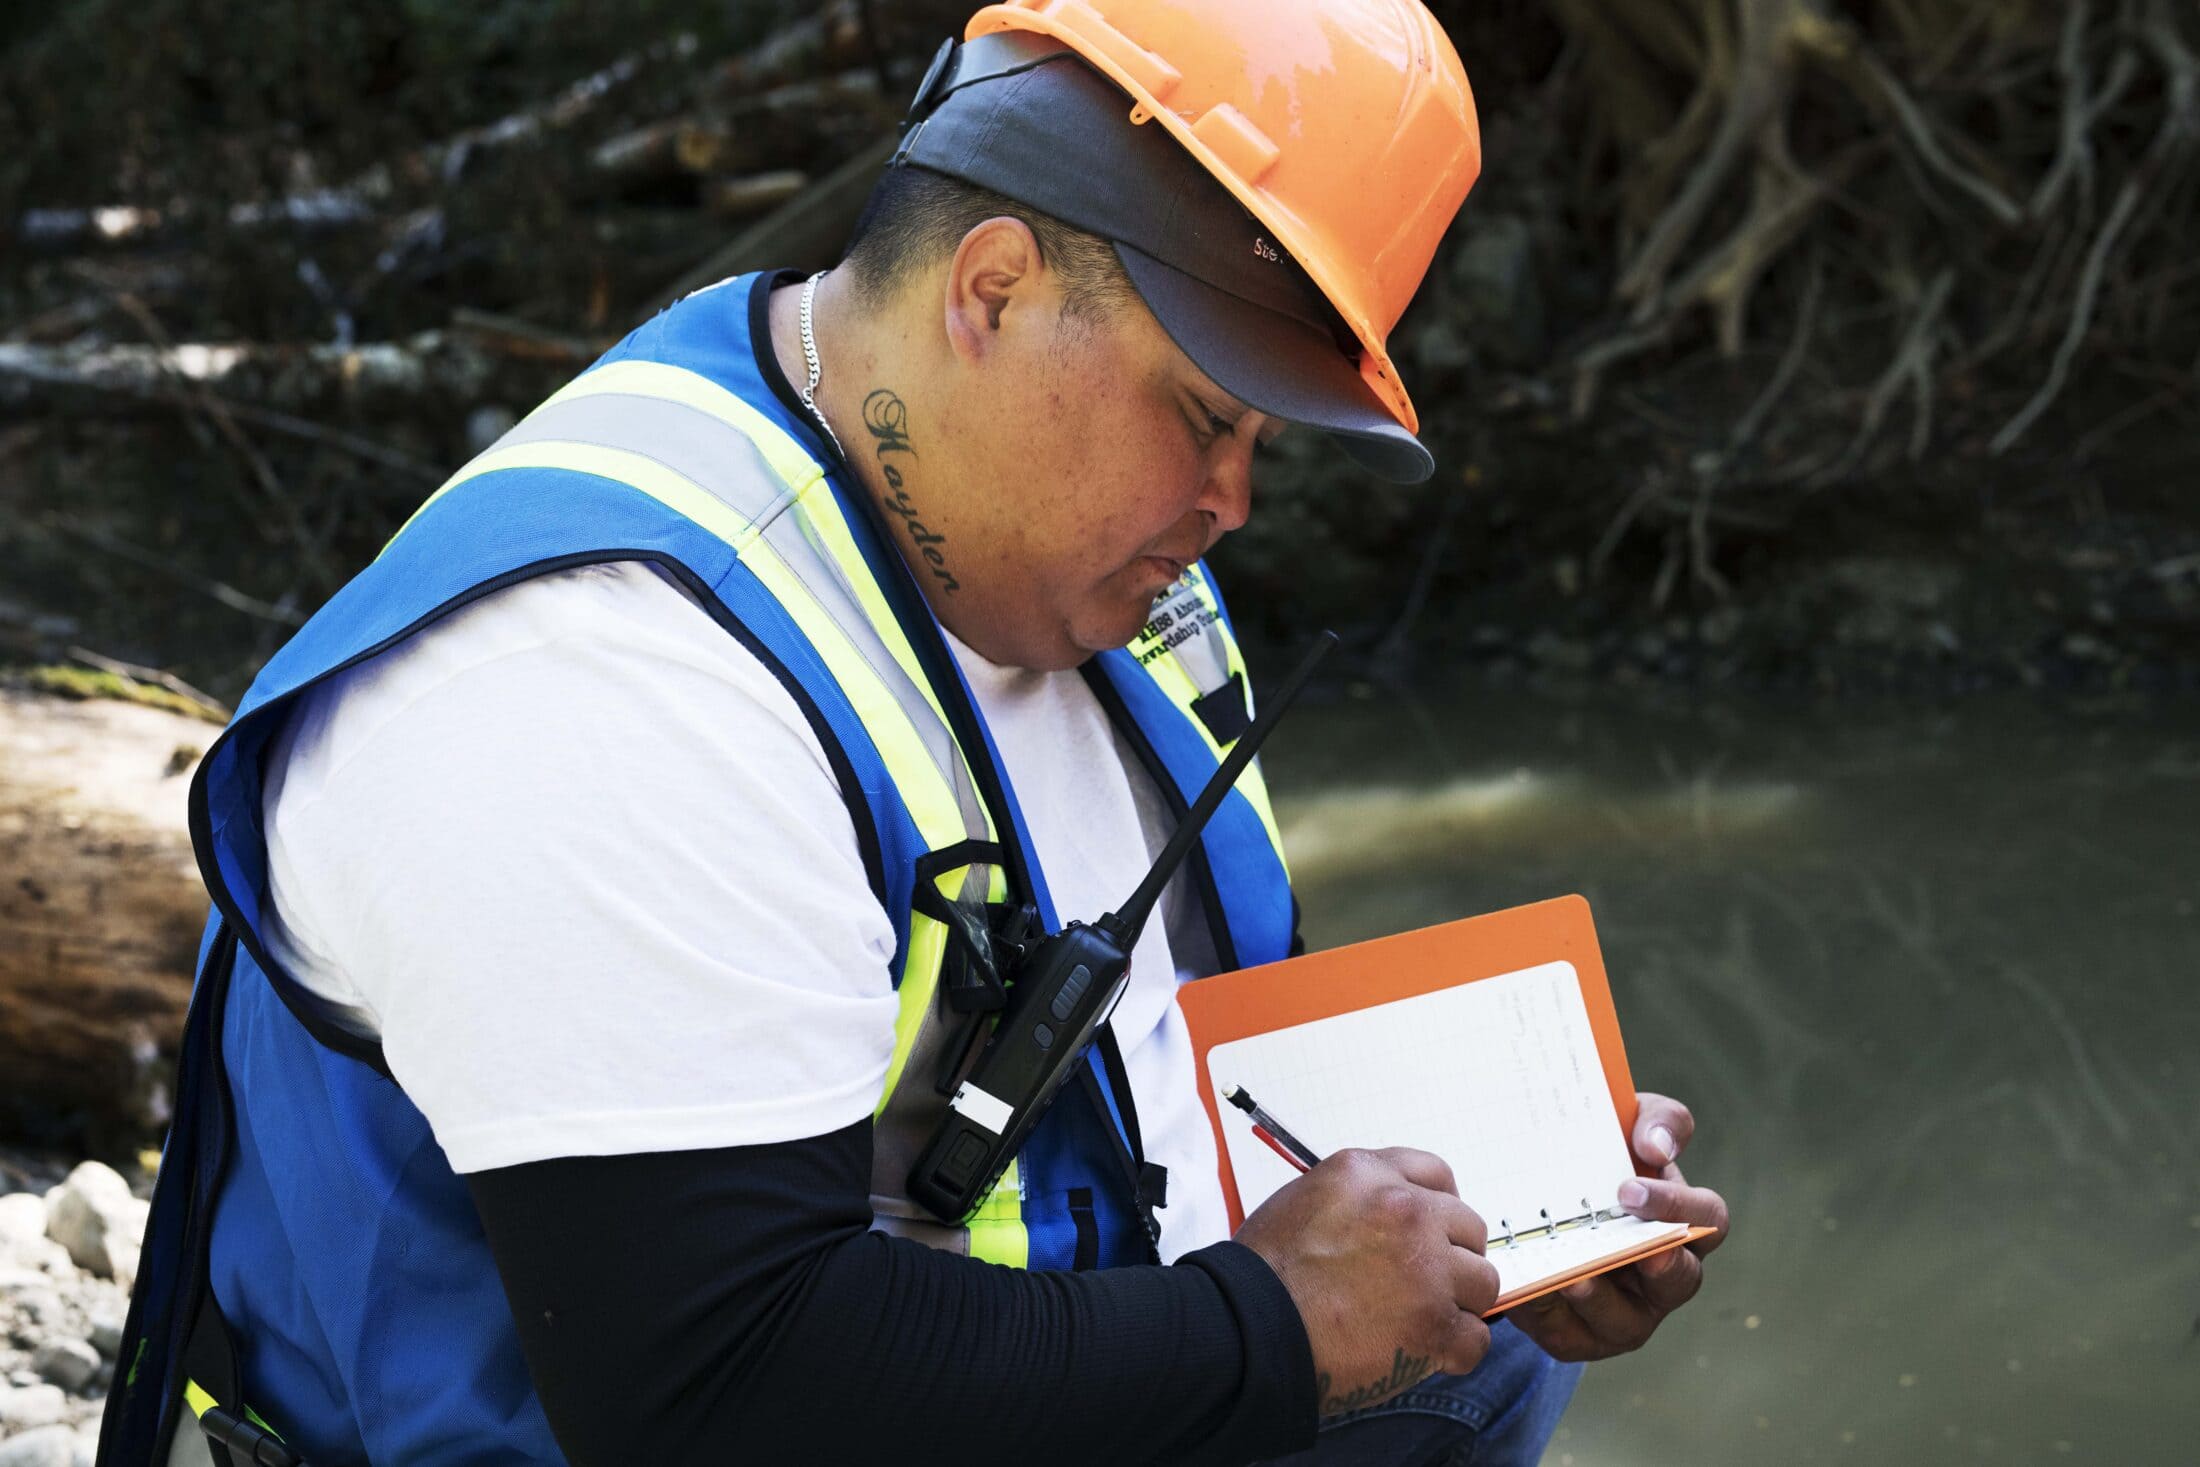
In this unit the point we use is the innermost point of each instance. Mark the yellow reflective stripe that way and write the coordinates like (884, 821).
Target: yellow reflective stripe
(997, 1231)
(787, 458)
(675, 491)
(1253, 785)
(920, 976)
(840, 543)
(931, 802)
(1182, 691)
(200, 1403)
(920, 979)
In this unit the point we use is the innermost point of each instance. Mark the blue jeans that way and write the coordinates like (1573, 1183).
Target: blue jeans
(1500, 1416)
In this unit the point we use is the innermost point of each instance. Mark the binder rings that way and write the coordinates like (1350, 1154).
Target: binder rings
(1491, 1042)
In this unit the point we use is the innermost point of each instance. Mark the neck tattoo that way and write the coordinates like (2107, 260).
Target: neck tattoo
(816, 364)
(886, 418)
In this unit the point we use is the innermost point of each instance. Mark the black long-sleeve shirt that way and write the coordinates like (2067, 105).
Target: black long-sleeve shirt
(732, 1305)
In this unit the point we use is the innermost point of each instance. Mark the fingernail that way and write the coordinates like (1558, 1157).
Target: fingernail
(1662, 1139)
(1581, 1290)
(1633, 1194)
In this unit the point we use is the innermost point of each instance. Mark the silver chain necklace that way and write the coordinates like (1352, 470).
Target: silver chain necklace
(817, 367)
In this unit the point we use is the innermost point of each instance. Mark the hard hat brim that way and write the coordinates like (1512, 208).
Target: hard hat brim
(1278, 365)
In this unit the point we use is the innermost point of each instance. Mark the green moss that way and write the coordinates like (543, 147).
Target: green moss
(83, 682)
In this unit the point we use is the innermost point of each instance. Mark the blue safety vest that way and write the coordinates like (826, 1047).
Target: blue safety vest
(313, 1268)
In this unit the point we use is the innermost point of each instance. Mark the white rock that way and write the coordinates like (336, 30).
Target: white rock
(69, 1364)
(22, 1220)
(36, 1306)
(122, 1257)
(106, 1333)
(48, 1446)
(85, 1451)
(46, 1254)
(93, 1215)
(23, 1407)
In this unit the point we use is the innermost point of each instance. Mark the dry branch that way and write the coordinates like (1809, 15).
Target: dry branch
(165, 565)
(754, 193)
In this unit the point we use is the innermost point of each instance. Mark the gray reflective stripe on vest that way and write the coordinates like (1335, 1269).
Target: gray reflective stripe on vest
(721, 460)
(1200, 651)
(188, 1447)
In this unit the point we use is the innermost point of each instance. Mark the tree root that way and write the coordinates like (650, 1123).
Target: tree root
(2018, 224)
(1912, 367)
(1763, 70)
(2172, 143)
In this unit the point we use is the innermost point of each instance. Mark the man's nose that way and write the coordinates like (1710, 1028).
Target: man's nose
(1228, 495)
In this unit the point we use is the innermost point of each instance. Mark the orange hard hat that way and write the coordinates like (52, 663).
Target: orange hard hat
(1345, 126)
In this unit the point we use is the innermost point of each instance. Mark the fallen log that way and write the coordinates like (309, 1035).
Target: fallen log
(452, 365)
(100, 911)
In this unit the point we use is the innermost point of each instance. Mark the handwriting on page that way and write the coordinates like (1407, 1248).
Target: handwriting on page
(1499, 1077)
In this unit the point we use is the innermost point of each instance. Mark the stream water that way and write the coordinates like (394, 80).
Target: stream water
(1930, 979)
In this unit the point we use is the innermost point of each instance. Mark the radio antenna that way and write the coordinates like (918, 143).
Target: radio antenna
(1126, 922)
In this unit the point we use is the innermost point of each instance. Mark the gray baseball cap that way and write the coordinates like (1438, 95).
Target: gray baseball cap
(1020, 115)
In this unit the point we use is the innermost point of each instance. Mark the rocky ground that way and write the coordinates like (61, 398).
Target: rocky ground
(68, 1255)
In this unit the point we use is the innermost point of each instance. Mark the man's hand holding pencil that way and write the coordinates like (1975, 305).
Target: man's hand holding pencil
(1596, 1317)
(1385, 1264)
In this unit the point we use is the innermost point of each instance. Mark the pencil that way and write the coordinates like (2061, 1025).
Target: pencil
(1270, 1130)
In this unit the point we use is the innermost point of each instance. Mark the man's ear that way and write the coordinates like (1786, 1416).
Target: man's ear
(996, 270)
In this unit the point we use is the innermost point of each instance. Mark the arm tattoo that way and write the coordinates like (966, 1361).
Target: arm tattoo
(1405, 1370)
(887, 418)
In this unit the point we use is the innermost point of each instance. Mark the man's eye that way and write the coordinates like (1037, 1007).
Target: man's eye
(1213, 428)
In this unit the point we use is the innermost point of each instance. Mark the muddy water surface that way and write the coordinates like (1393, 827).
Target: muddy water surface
(1931, 980)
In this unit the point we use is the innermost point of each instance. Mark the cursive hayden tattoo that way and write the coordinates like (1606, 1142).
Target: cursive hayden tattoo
(1405, 1370)
(886, 416)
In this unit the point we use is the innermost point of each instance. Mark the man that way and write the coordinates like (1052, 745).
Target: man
(611, 880)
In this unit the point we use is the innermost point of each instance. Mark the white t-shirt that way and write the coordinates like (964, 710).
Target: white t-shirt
(579, 862)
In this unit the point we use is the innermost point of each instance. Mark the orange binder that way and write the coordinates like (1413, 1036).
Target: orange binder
(1551, 980)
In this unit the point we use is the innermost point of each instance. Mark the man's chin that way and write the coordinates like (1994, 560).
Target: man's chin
(1104, 630)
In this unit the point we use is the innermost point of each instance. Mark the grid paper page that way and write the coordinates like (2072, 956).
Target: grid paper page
(1499, 1077)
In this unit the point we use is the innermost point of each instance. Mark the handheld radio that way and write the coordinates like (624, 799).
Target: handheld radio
(1062, 990)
